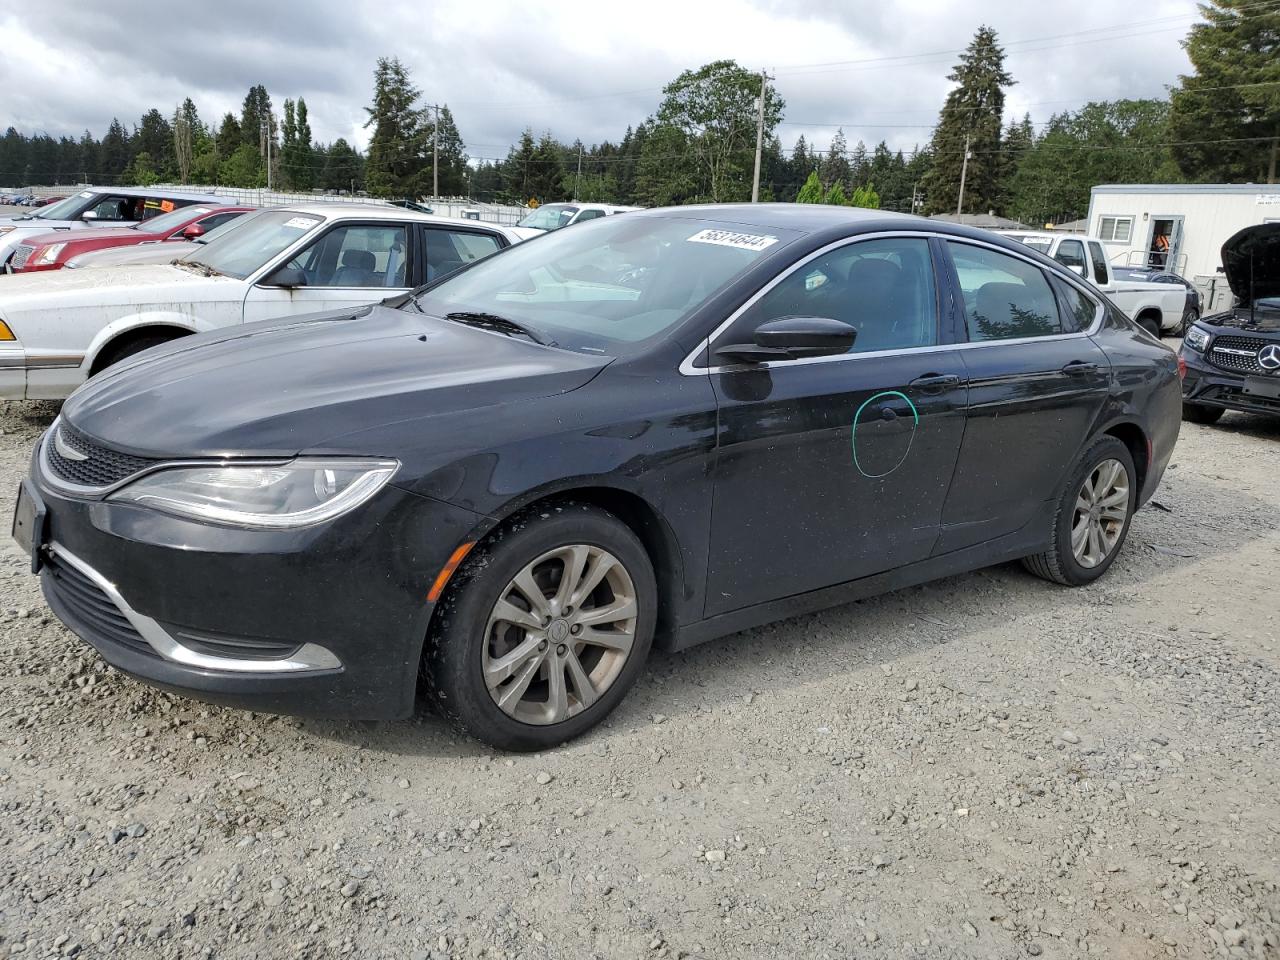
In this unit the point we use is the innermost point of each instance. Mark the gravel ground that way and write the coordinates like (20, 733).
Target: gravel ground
(988, 766)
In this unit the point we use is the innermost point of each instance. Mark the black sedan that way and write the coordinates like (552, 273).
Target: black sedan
(663, 427)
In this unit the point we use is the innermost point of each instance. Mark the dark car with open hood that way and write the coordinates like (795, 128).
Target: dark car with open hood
(502, 488)
(1231, 360)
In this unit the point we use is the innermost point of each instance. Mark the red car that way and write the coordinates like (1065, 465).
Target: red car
(51, 251)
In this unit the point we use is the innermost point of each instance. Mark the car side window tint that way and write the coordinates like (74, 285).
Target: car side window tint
(1070, 253)
(1004, 297)
(883, 288)
(1078, 310)
(448, 250)
(589, 215)
(217, 220)
(359, 255)
(1099, 263)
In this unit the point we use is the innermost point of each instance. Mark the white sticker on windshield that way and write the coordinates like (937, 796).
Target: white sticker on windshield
(301, 223)
(731, 238)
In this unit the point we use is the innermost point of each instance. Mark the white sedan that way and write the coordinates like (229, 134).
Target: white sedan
(58, 329)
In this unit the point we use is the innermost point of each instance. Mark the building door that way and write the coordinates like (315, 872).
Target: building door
(1165, 242)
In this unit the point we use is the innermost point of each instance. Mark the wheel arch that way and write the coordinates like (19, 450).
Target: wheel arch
(636, 512)
(1135, 439)
(132, 328)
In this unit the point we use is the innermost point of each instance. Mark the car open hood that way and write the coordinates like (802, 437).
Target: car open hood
(284, 386)
(1251, 261)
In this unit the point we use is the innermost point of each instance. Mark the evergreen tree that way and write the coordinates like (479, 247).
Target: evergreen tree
(184, 143)
(452, 154)
(397, 158)
(974, 110)
(811, 192)
(343, 167)
(836, 195)
(518, 168)
(865, 196)
(114, 155)
(1233, 97)
(155, 138)
(229, 136)
(835, 166)
(256, 121)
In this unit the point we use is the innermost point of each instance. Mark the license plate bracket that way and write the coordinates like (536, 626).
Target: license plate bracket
(29, 523)
(1268, 387)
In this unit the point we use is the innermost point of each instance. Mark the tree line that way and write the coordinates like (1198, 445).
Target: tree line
(1219, 123)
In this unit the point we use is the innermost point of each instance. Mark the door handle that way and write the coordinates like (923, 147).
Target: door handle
(1078, 368)
(935, 382)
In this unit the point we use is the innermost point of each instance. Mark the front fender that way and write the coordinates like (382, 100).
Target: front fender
(136, 321)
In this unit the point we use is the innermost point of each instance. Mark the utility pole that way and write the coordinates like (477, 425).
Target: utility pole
(435, 153)
(755, 183)
(577, 181)
(266, 137)
(964, 169)
(914, 188)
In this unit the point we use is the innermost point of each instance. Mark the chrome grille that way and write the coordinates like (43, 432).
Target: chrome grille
(100, 468)
(1222, 353)
(21, 254)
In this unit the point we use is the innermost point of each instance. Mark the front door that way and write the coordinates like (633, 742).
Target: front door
(835, 468)
(350, 264)
(1037, 383)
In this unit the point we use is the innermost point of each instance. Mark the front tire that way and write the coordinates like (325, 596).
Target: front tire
(544, 629)
(1199, 413)
(1092, 519)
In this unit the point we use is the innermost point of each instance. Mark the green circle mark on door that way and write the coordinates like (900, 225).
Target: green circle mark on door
(886, 435)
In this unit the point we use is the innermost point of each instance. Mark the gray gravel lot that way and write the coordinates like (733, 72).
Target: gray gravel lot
(987, 767)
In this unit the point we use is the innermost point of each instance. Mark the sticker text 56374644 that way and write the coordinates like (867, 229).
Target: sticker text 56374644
(731, 238)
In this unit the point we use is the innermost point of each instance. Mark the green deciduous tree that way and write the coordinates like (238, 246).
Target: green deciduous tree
(714, 109)
(1233, 96)
(974, 110)
(244, 168)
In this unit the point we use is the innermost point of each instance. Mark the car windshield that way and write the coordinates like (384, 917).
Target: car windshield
(67, 209)
(254, 242)
(610, 283)
(551, 216)
(171, 221)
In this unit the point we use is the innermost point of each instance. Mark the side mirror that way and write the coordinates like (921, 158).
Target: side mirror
(193, 231)
(89, 215)
(288, 277)
(792, 338)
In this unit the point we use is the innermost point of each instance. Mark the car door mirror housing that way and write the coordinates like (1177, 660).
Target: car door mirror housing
(792, 338)
(193, 231)
(288, 277)
(89, 215)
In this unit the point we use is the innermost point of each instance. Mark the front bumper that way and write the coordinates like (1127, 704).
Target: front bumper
(322, 621)
(1210, 386)
(13, 371)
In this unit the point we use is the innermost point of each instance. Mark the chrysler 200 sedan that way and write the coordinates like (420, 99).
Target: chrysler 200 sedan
(662, 427)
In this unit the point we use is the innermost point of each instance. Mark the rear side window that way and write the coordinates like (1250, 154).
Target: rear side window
(449, 250)
(1099, 263)
(1078, 311)
(1005, 298)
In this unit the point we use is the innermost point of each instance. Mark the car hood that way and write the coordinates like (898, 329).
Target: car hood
(165, 252)
(1251, 261)
(526, 233)
(178, 288)
(286, 386)
(38, 223)
(96, 236)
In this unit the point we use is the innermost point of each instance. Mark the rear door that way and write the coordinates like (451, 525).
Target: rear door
(834, 468)
(1037, 383)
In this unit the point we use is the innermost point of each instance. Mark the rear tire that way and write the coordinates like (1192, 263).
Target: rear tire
(520, 661)
(1199, 413)
(1099, 501)
(1151, 325)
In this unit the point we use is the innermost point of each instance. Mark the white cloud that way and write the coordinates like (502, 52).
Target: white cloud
(576, 68)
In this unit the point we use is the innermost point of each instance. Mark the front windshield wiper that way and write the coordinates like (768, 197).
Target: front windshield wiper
(492, 321)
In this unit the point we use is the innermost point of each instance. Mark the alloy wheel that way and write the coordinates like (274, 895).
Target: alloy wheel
(1102, 506)
(559, 634)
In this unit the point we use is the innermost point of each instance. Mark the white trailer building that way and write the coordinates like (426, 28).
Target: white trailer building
(1179, 226)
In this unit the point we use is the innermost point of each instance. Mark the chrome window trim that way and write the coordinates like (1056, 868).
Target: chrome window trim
(308, 657)
(689, 369)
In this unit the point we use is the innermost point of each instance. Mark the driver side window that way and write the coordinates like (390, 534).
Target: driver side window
(358, 255)
(882, 288)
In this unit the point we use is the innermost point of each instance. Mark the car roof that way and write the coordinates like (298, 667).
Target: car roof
(383, 211)
(159, 193)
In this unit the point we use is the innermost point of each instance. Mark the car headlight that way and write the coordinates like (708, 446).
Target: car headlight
(50, 253)
(302, 492)
(1197, 339)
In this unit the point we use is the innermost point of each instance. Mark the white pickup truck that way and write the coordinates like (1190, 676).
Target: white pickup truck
(1156, 307)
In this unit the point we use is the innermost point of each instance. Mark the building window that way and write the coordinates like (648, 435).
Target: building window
(1115, 229)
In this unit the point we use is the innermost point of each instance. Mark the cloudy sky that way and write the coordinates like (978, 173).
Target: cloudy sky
(573, 67)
